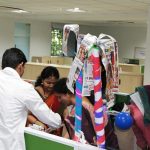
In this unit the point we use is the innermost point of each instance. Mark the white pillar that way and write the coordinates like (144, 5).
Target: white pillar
(147, 53)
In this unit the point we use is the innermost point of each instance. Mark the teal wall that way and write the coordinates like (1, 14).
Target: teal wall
(22, 37)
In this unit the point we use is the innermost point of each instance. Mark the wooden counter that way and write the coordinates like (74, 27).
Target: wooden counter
(33, 70)
(129, 81)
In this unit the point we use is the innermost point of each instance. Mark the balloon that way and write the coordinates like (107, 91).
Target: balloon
(123, 121)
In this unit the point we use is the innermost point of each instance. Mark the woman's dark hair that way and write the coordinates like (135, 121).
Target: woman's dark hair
(47, 72)
(61, 87)
(12, 58)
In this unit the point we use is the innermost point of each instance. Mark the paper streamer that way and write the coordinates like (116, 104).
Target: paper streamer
(70, 35)
(109, 49)
(116, 69)
(85, 45)
(78, 110)
(98, 107)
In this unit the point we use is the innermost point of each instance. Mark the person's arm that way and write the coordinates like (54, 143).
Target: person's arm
(87, 105)
(35, 104)
(65, 113)
(33, 120)
(65, 133)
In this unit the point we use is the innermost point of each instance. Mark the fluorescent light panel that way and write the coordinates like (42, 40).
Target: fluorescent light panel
(19, 11)
(76, 10)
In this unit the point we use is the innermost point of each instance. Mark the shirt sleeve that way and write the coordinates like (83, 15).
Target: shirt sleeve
(35, 104)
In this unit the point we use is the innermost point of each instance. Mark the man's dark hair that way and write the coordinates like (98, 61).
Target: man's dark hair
(12, 58)
(61, 87)
(47, 72)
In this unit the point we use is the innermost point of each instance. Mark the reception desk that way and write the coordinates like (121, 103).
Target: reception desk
(33, 70)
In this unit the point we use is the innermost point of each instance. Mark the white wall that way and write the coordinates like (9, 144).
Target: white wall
(127, 37)
(40, 39)
(40, 35)
(147, 61)
(6, 35)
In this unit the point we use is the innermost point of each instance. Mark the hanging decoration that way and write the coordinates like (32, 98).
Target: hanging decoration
(85, 74)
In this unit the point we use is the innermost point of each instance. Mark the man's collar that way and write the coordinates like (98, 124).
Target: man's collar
(11, 71)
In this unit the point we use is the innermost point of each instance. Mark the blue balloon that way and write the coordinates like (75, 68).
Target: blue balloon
(123, 121)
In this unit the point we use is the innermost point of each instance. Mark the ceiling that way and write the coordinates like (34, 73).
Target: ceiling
(97, 11)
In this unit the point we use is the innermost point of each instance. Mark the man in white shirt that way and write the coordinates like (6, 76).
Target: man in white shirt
(16, 98)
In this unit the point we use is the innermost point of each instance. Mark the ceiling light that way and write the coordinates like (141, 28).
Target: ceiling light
(19, 11)
(12, 9)
(76, 10)
(121, 22)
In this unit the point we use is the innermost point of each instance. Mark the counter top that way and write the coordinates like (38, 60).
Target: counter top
(43, 64)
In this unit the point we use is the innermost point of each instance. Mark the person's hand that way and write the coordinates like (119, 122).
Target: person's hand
(41, 124)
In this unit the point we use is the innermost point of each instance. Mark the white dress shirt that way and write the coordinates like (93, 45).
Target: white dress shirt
(16, 98)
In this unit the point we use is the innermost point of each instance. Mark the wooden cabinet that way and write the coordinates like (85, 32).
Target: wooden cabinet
(43, 59)
(53, 60)
(130, 77)
(33, 70)
(130, 68)
(129, 81)
(56, 60)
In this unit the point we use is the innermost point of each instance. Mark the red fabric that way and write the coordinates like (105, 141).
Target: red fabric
(53, 103)
(141, 131)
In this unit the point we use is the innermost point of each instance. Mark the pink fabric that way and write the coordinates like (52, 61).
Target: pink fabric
(141, 131)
